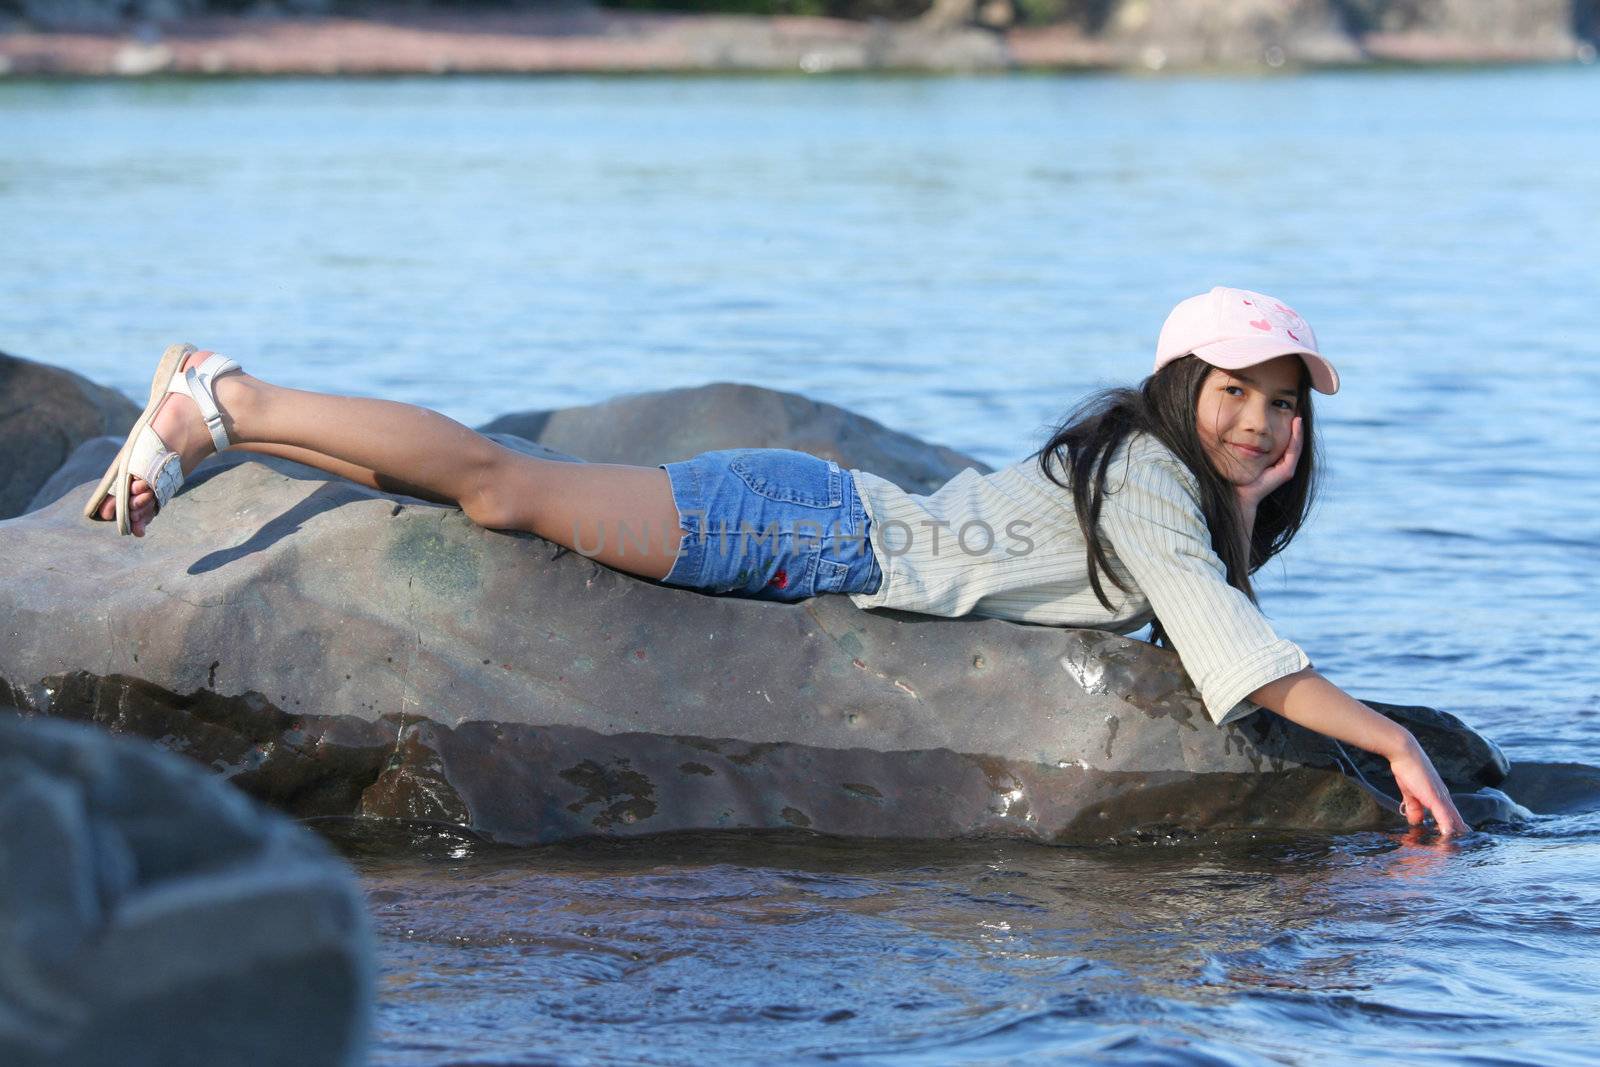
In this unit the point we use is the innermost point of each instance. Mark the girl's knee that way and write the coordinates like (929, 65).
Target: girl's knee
(497, 499)
(492, 511)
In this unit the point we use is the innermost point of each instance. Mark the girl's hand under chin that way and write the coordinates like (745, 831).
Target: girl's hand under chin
(1253, 492)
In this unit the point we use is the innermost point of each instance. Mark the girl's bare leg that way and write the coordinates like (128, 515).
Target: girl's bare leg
(360, 475)
(621, 515)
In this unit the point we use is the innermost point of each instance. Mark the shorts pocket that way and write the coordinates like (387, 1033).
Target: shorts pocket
(831, 576)
(790, 477)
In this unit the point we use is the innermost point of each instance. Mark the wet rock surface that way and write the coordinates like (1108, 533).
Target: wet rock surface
(150, 914)
(46, 413)
(341, 652)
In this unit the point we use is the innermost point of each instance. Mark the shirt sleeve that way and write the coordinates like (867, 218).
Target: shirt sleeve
(1151, 520)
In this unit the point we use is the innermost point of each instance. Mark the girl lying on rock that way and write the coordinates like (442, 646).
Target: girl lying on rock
(1155, 503)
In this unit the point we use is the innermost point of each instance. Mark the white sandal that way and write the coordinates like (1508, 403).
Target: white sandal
(144, 455)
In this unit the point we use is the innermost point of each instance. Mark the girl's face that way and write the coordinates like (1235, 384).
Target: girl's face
(1245, 417)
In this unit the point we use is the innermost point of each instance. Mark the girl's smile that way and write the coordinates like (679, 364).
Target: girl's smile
(1245, 417)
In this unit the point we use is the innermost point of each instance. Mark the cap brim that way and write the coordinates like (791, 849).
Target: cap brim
(1239, 353)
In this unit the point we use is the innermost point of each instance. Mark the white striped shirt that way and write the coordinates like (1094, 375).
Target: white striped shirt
(1007, 545)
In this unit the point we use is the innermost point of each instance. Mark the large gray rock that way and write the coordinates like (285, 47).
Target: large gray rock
(85, 465)
(337, 651)
(45, 413)
(674, 424)
(150, 914)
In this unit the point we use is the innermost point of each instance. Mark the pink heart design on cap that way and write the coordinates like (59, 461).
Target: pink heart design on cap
(1261, 324)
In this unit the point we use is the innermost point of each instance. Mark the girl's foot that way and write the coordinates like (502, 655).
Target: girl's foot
(179, 424)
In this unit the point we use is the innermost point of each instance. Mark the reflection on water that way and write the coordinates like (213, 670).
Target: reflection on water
(961, 259)
(786, 945)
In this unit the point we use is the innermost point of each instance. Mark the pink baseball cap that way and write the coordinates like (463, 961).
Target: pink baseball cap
(1236, 328)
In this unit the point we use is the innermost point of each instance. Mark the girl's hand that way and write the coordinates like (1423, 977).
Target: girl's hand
(1423, 792)
(1310, 700)
(1252, 493)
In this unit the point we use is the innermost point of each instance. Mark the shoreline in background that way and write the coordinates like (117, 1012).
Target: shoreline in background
(603, 41)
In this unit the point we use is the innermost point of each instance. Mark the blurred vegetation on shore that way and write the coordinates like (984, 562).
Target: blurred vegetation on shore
(1463, 18)
(143, 37)
(1033, 12)
(1357, 16)
(1029, 12)
(844, 9)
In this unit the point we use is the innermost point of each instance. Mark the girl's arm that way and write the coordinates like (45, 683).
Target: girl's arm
(1154, 524)
(1309, 699)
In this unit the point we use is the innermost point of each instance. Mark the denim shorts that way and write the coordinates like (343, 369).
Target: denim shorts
(770, 523)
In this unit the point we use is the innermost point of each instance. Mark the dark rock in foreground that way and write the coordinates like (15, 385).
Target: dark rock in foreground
(151, 915)
(45, 413)
(337, 652)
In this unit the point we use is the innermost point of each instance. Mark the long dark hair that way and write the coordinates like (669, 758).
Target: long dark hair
(1163, 405)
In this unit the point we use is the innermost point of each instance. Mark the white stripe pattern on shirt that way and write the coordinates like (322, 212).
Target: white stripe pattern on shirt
(1007, 545)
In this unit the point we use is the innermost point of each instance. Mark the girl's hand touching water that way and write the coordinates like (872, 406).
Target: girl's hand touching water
(1423, 792)
(1307, 698)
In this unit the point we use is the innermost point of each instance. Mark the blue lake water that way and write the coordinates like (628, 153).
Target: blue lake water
(960, 259)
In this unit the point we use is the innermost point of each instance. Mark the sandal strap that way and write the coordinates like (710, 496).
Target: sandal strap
(159, 467)
(197, 383)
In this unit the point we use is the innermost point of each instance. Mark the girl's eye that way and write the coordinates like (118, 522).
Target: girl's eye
(1286, 405)
(1233, 390)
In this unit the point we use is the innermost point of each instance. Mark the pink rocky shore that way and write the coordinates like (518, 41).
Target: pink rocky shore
(1150, 35)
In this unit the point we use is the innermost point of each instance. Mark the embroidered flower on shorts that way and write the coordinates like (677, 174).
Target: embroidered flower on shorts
(781, 579)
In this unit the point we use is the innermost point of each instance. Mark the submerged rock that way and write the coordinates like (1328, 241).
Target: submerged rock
(151, 915)
(338, 651)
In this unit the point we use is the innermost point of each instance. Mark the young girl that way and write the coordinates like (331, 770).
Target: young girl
(1153, 504)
